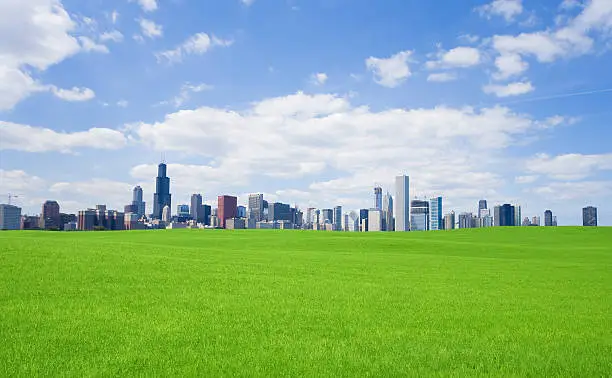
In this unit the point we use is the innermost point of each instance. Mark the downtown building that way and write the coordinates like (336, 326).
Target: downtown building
(10, 217)
(436, 220)
(227, 207)
(589, 216)
(419, 215)
(50, 218)
(402, 203)
(504, 216)
(162, 196)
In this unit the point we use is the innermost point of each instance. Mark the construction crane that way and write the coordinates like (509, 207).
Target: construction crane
(11, 196)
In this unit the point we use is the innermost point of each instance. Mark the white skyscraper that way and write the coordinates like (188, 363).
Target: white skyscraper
(402, 203)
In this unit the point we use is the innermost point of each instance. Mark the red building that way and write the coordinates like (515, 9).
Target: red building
(227, 208)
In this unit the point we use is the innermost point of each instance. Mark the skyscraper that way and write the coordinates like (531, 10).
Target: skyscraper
(378, 198)
(50, 216)
(162, 196)
(504, 215)
(435, 214)
(589, 216)
(374, 220)
(166, 214)
(338, 218)
(466, 220)
(482, 205)
(449, 221)
(548, 218)
(10, 217)
(388, 222)
(195, 210)
(402, 203)
(256, 207)
(137, 201)
(182, 210)
(227, 207)
(327, 216)
(419, 215)
(517, 215)
(363, 220)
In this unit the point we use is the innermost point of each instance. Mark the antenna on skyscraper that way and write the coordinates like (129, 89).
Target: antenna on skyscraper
(163, 158)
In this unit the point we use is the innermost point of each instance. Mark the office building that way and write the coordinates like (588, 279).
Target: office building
(554, 220)
(241, 212)
(589, 216)
(309, 217)
(278, 211)
(235, 224)
(162, 196)
(486, 221)
(402, 203)
(466, 220)
(50, 216)
(10, 217)
(133, 209)
(256, 207)
(449, 221)
(482, 205)
(228, 206)
(435, 214)
(30, 222)
(375, 220)
(419, 215)
(166, 214)
(138, 202)
(363, 220)
(87, 219)
(195, 210)
(337, 221)
(517, 215)
(327, 216)
(388, 222)
(548, 218)
(535, 221)
(183, 211)
(504, 215)
(526, 222)
(204, 214)
(378, 198)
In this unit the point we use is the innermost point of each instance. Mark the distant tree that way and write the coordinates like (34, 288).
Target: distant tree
(99, 228)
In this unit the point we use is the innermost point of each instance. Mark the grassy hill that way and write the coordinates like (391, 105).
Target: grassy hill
(516, 301)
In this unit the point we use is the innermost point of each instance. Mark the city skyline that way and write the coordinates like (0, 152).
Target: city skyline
(335, 98)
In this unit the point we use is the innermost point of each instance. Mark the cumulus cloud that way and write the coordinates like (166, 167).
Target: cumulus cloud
(569, 166)
(319, 78)
(37, 139)
(197, 44)
(150, 28)
(185, 94)
(114, 36)
(458, 57)
(508, 9)
(73, 94)
(147, 5)
(511, 89)
(390, 72)
(442, 77)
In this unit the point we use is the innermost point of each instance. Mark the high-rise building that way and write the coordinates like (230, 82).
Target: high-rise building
(589, 216)
(166, 214)
(466, 220)
(138, 202)
(241, 212)
(162, 196)
(256, 207)
(30, 222)
(278, 211)
(548, 218)
(535, 221)
(517, 215)
(449, 221)
(388, 222)
(86, 219)
(337, 221)
(402, 203)
(375, 220)
(204, 215)
(378, 198)
(554, 220)
(10, 217)
(504, 215)
(435, 214)
(327, 216)
(363, 220)
(227, 206)
(419, 215)
(482, 205)
(182, 210)
(50, 216)
(195, 209)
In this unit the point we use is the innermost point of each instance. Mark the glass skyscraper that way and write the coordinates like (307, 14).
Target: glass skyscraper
(419, 215)
(435, 214)
(162, 196)
(402, 203)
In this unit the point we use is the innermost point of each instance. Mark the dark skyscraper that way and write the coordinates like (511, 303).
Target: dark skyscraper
(137, 201)
(589, 216)
(378, 198)
(196, 208)
(363, 215)
(504, 215)
(162, 196)
(548, 218)
(50, 216)
(227, 207)
(482, 204)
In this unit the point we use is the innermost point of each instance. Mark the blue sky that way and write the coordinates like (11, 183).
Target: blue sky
(310, 102)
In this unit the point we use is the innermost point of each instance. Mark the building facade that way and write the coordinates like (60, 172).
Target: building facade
(337, 221)
(449, 221)
(227, 208)
(466, 220)
(402, 203)
(195, 210)
(363, 220)
(138, 202)
(589, 216)
(548, 218)
(375, 220)
(50, 216)
(10, 217)
(256, 207)
(504, 215)
(378, 198)
(436, 221)
(162, 196)
(419, 215)
(388, 221)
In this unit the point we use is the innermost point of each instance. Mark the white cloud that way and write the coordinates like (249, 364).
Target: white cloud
(197, 44)
(88, 44)
(469, 38)
(458, 57)
(114, 17)
(150, 28)
(509, 65)
(528, 179)
(570, 166)
(18, 181)
(114, 36)
(185, 94)
(319, 78)
(511, 89)
(247, 2)
(442, 77)
(74, 94)
(570, 4)
(122, 103)
(36, 139)
(147, 5)
(582, 191)
(87, 194)
(390, 72)
(508, 9)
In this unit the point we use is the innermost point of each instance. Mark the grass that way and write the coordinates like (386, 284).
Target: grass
(502, 302)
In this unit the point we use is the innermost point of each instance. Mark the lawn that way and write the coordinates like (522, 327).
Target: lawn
(512, 302)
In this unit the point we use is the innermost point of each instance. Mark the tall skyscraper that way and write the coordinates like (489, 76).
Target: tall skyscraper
(338, 218)
(10, 217)
(504, 215)
(138, 202)
(402, 203)
(482, 205)
(517, 215)
(419, 215)
(388, 221)
(589, 216)
(378, 198)
(195, 210)
(182, 210)
(435, 214)
(227, 208)
(327, 216)
(449, 221)
(466, 220)
(256, 207)
(162, 196)
(363, 220)
(374, 220)
(548, 218)
(50, 216)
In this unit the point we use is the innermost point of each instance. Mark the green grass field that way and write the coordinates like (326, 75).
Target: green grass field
(510, 302)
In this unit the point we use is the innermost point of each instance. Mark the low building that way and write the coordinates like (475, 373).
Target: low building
(176, 226)
(70, 226)
(235, 224)
(30, 222)
(10, 217)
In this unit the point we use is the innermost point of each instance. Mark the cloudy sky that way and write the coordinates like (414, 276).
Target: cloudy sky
(311, 102)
